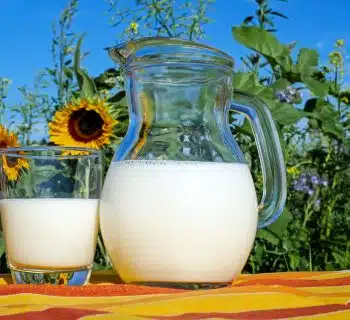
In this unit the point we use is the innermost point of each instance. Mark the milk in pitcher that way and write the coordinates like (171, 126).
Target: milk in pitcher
(178, 221)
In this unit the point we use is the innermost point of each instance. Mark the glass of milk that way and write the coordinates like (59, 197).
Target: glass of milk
(49, 198)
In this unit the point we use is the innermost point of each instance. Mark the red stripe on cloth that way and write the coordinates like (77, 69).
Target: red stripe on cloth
(53, 313)
(84, 291)
(295, 282)
(259, 314)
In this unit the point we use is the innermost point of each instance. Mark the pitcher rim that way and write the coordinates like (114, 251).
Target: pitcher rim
(124, 51)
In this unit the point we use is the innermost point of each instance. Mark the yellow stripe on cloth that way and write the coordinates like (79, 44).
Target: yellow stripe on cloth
(304, 295)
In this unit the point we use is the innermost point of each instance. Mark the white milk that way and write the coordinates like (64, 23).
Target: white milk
(178, 222)
(50, 233)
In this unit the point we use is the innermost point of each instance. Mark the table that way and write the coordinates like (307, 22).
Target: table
(298, 295)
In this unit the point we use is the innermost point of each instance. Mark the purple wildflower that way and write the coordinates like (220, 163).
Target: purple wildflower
(306, 183)
(324, 182)
(315, 180)
(303, 178)
(299, 185)
(287, 95)
(310, 191)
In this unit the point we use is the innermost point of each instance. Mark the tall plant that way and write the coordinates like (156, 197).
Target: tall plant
(34, 110)
(170, 18)
(62, 50)
(4, 87)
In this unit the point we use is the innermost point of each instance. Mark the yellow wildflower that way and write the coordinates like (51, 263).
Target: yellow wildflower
(340, 43)
(345, 100)
(134, 27)
(293, 171)
(336, 58)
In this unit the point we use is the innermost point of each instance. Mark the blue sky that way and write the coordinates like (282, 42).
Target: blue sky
(25, 31)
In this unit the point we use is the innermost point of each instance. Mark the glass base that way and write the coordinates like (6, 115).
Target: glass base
(71, 277)
(184, 285)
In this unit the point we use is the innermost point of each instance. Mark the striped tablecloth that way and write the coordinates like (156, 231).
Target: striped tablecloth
(301, 295)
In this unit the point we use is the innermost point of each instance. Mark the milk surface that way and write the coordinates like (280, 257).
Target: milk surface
(178, 221)
(50, 233)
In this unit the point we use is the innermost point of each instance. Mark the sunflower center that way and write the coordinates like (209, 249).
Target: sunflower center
(11, 162)
(85, 125)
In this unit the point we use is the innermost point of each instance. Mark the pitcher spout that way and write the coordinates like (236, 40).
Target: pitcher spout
(121, 53)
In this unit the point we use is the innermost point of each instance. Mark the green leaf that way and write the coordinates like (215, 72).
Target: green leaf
(88, 88)
(307, 61)
(68, 62)
(318, 89)
(287, 114)
(326, 116)
(339, 257)
(245, 80)
(281, 15)
(247, 20)
(77, 53)
(44, 173)
(345, 96)
(86, 84)
(265, 43)
(294, 260)
(119, 111)
(244, 129)
(280, 84)
(258, 251)
(30, 180)
(249, 82)
(50, 71)
(118, 98)
(268, 236)
(103, 80)
(280, 226)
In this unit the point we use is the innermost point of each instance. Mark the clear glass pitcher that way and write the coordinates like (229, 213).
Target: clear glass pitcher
(179, 206)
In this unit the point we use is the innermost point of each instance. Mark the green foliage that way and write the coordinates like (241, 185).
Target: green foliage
(265, 44)
(30, 181)
(4, 85)
(86, 84)
(62, 49)
(33, 112)
(313, 231)
(283, 71)
(264, 16)
(307, 61)
(170, 18)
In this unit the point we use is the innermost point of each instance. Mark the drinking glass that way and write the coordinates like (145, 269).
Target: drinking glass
(49, 199)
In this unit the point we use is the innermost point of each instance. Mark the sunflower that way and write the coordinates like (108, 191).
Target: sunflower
(14, 165)
(83, 123)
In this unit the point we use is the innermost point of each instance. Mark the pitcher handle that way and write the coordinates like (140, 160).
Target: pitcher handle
(270, 154)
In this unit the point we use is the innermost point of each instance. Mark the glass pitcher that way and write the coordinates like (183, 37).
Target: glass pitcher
(178, 207)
